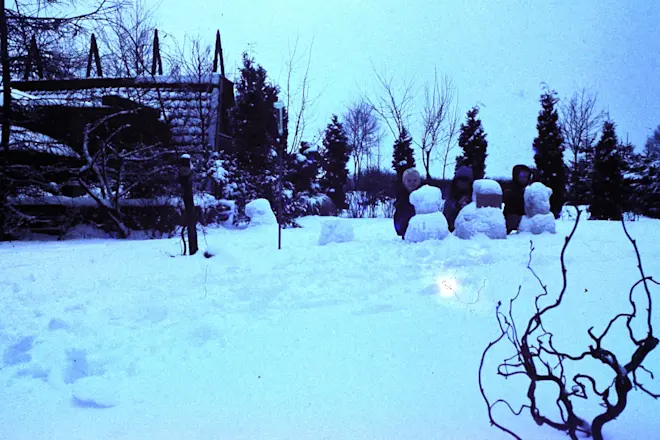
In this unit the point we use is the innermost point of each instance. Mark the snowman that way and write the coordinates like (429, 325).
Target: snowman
(538, 218)
(484, 215)
(428, 223)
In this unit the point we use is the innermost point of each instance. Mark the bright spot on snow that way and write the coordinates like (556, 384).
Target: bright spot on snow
(448, 286)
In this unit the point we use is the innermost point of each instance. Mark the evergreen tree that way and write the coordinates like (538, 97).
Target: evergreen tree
(403, 156)
(472, 140)
(305, 170)
(607, 190)
(335, 158)
(252, 164)
(549, 152)
(652, 146)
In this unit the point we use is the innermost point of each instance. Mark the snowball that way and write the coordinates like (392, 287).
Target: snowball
(427, 199)
(185, 156)
(95, 392)
(336, 230)
(260, 213)
(472, 221)
(538, 224)
(427, 227)
(487, 193)
(537, 199)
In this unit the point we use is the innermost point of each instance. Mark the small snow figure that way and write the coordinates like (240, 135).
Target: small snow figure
(424, 227)
(260, 213)
(483, 215)
(404, 210)
(336, 230)
(538, 218)
(427, 200)
(429, 223)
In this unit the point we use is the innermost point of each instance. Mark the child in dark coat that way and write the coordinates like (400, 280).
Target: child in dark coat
(514, 198)
(404, 210)
(460, 195)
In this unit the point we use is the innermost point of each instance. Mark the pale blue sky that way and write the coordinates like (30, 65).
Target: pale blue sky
(497, 52)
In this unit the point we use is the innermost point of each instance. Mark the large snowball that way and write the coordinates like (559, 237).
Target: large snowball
(472, 221)
(260, 213)
(427, 227)
(487, 193)
(336, 230)
(427, 199)
(538, 224)
(537, 199)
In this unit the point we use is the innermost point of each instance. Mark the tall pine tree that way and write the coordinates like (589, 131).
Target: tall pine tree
(607, 180)
(252, 162)
(549, 152)
(403, 156)
(335, 158)
(472, 140)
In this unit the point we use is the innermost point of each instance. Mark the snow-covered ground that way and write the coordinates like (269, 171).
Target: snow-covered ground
(377, 338)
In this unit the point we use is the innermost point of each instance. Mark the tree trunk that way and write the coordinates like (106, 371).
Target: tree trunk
(6, 122)
(185, 178)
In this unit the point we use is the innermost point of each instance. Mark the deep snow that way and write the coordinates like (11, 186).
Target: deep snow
(376, 338)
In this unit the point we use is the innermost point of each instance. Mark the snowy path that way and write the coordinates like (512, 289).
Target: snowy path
(377, 338)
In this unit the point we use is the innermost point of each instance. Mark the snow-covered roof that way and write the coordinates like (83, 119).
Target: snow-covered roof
(25, 140)
(189, 105)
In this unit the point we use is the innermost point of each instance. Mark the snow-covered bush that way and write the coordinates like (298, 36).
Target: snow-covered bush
(336, 230)
(260, 213)
(472, 221)
(427, 199)
(424, 227)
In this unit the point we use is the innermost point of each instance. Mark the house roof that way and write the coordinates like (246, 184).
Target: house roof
(22, 139)
(189, 106)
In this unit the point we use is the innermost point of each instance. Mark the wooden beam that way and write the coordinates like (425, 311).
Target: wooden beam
(217, 55)
(156, 60)
(94, 53)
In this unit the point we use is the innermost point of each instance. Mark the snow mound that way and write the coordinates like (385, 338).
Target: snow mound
(537, 199)
(487, 193)
(538, 224)
(260, 213)
(424, 227)
(427, 199)
(472, 221)
(336, 230)
(95, 392)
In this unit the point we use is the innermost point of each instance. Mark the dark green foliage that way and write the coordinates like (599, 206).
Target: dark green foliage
(403, 156)
(607, 181)
(336, 153)
(549, 152)
(472, 140)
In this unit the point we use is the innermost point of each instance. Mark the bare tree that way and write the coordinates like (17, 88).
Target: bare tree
(364, 135)
(395, 111)
(580, 124)
(128, 40)
(439, 123)
(298, 100)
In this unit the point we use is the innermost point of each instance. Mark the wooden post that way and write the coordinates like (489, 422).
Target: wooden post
(6, 120)
(185, 178)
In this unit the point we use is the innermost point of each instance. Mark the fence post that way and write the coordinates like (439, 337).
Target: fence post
(185, 178)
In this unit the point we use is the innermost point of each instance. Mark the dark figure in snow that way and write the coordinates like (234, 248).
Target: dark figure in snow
(404, 210)
(514, 198)
(460, 194)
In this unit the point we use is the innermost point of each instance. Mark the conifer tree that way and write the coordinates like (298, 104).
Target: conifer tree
(403, 156)
(335, 158)
(607, 180)
(472, 140)
(549, 152)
